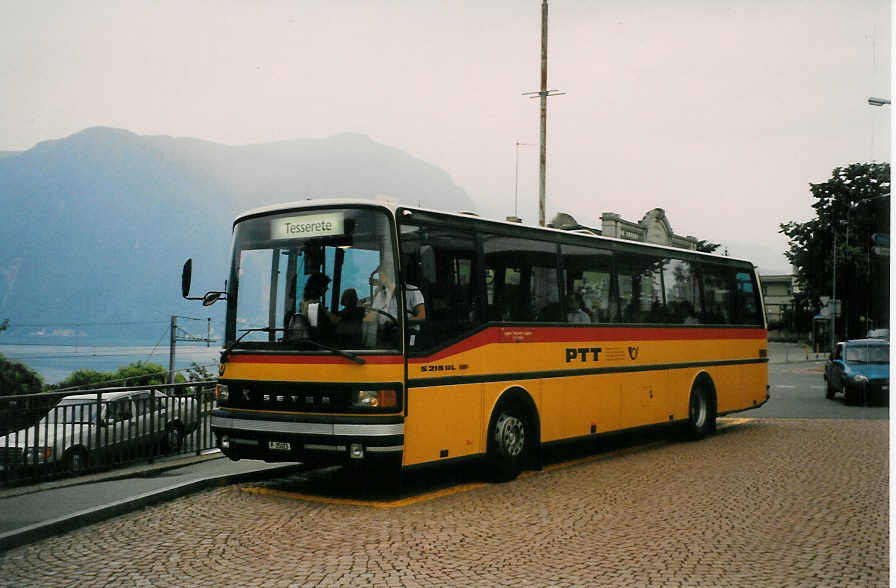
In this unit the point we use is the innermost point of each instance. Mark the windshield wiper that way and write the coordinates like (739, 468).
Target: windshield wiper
(229, 348)
(336, 350)
(346, 354)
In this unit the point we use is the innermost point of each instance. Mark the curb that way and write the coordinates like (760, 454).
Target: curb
(137, 471)
(53, 527)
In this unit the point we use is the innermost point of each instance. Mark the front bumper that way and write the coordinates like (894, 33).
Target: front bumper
(318, 439)
(875, 391)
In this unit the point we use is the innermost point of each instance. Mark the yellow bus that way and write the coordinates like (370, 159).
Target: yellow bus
(508, 337)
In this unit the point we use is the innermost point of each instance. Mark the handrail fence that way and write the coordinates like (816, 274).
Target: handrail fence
(51, 435)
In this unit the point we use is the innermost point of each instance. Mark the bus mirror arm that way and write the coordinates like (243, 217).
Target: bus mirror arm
(212, 297)
(208, 298)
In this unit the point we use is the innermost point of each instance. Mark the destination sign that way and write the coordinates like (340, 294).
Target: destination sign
(313, 225)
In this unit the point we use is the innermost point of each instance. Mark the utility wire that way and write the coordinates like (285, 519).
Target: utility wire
(38, 325)
(159, 341)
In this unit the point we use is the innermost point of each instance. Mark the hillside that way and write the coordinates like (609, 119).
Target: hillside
(100, 222)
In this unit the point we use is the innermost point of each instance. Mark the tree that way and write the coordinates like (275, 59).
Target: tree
(17, 378)
(133, 374)
(706, 246)
(855, 198)
(199, 373)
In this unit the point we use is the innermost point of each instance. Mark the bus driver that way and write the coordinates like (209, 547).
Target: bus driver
(384, 298)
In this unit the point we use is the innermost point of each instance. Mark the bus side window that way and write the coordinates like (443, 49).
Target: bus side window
(526, 286)
(746, 306)
(588, 273)
(716, 295)
(682, 284)
(449, 294)
(641, 293)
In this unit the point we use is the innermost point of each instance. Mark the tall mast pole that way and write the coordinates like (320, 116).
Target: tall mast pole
(543, 94)
(542, 155)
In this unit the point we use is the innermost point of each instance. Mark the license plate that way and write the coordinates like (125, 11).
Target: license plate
(281, 445)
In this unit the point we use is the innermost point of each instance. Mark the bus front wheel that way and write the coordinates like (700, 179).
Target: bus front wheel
(509, 441)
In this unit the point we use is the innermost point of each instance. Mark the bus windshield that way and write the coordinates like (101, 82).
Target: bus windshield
(304, 280)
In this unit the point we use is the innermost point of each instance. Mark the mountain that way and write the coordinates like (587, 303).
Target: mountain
(98, 224)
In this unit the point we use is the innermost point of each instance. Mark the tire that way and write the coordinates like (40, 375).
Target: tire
(509, 441)
(174, 438)
(76, 461)
(701, 413)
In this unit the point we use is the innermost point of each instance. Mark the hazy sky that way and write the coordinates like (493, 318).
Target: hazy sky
(719, 111)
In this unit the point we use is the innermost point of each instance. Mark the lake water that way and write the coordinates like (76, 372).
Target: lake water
(54, 363)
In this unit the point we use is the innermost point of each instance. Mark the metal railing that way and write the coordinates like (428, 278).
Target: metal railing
(51, 435)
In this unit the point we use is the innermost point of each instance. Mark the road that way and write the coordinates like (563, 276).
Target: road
(792, 494)
(797, 391)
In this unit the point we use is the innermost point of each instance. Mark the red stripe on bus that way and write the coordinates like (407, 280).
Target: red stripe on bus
(315, 359)
(560, 334)
(528, 334)
(574, 335)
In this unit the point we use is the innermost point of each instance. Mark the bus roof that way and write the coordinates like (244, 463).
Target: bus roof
(393, 206)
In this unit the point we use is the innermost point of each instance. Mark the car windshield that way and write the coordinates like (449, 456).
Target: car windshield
(71, 411)
(859, 353)
(301, 280)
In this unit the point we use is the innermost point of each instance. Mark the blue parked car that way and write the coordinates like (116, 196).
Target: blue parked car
(860, 369)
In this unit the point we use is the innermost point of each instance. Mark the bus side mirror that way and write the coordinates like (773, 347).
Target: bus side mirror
(185, 278)
(428, 264)
(210, 298)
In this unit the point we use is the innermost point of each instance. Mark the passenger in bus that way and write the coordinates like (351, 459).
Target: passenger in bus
(688, 315)
(351, 311)
(574, 311)
(312, 306)
(348, 329)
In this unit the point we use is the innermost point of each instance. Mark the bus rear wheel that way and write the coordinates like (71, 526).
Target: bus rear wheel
(509, 441)
(701, 412)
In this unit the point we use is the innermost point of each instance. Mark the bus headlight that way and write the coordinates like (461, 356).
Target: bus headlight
(222, 394)
(860, 379)
(375, 399)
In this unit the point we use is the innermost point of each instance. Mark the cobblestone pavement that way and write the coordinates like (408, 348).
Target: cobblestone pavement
(762, 503)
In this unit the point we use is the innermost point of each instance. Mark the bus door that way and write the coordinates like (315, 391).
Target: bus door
(444, 355)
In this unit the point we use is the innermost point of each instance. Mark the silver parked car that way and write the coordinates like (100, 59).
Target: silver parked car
(83, 429)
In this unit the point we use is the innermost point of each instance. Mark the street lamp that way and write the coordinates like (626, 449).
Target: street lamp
(878, 101)
(852, 206)
(834, 296)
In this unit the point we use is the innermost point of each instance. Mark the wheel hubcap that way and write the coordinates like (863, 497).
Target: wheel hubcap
(698, 409)
(510, 435)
